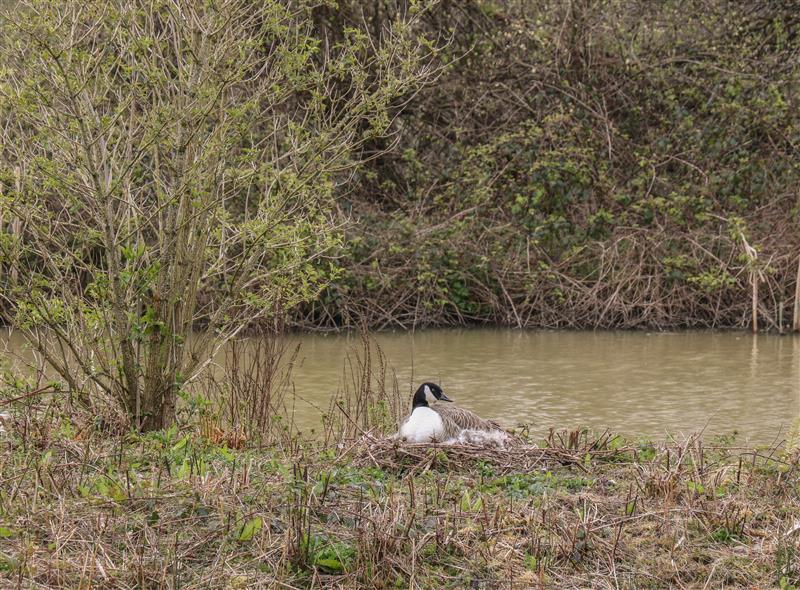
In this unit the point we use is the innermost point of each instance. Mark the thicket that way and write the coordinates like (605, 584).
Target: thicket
(580, 164)
(229, 166)
(167, 165)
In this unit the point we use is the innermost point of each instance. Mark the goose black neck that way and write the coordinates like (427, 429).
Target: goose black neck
(420, 400)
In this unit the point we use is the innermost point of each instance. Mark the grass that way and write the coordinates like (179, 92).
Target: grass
(86, 504)
(176, 510)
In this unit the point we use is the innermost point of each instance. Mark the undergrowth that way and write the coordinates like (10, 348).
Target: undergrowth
(253, 503)
(173, 509)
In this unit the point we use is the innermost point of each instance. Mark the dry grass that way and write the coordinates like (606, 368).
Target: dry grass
(175, 510)
(598, 512)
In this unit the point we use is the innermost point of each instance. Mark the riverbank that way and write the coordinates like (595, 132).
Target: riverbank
(179, 509)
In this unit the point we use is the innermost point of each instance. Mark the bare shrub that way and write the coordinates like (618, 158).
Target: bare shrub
(165, 166)
(368, 400)
(249, 395)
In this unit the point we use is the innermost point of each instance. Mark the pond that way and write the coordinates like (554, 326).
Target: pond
(639, 384)
(636, 383)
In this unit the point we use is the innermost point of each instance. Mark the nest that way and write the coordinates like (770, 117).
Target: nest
(519, 457)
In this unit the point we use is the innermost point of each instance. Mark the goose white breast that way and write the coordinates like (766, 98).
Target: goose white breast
(422, 425)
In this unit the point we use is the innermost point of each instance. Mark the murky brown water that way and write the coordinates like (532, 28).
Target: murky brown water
(639, 384)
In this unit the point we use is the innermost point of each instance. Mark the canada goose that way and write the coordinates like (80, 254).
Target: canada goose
(445, 423)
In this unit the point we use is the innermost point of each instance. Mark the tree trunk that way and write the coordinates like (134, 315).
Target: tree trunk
(160, 372)
(158, 402)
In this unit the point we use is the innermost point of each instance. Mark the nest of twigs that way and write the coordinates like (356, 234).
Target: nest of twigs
(392, 454)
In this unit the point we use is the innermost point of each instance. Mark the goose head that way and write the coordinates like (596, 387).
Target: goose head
(428, 393)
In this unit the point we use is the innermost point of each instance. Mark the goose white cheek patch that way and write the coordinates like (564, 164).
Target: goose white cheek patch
(429, 397)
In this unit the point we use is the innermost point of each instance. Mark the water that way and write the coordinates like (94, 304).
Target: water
(635, 383)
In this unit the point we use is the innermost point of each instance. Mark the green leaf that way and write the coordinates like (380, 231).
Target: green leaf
(330, 564)
(466, 502)
(6, 532)
(185, 469)
(250, 528)
(181, 443)
(696, 487)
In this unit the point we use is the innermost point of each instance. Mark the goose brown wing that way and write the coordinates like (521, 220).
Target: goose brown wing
(462, 419)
